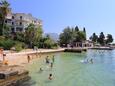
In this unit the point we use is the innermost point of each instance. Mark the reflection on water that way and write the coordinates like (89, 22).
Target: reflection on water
(68, 70)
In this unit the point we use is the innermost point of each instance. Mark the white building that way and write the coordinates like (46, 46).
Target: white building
(19, 21)
(86, 43)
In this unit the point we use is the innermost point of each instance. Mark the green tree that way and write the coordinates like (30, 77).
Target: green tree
(84, 32)
(76, 28)
(109, 39)
(7, 43)
(6, 31)
(94, 38)
(37, 35)
(47, 42)
(4, 10)
(33, 35)
(71, 36)
(65, 37)
(101, 39)
(19, 36)
(19, 46)
(80, 36)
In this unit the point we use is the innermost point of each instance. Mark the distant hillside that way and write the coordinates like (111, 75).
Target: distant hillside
(53, 36)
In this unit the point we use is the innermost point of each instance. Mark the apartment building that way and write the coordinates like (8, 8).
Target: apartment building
(19, 21)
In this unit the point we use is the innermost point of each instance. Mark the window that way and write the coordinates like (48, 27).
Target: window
(12, 23)
(20, 23)
(13, 30)
(20, 17)
(12, 17)
(5, 21)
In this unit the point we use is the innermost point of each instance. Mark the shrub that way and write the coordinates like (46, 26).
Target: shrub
(55, 46)
(7, 43)
(19, 46)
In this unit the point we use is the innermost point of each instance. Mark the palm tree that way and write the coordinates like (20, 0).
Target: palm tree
(4, 10)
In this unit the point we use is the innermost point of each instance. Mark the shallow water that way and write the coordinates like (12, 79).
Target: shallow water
(68, 70)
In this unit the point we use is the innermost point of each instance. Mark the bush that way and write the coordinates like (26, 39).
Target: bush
(2, 38)
(54, 46)
(47, 43)
(19, 46)
(7, 43)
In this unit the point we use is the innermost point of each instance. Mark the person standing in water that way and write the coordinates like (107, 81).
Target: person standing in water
(47, 60)
(53, 59)
(91, 60)
(28, 57)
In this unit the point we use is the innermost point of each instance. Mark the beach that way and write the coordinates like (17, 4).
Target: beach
(20, 58)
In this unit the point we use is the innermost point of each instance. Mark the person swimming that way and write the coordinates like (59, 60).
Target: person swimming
(84, 61)
(50, 77)
(41, 69)
(51, 64)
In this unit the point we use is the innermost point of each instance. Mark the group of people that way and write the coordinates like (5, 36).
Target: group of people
(50, 63)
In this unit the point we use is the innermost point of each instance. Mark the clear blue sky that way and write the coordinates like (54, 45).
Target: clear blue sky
(95, 15)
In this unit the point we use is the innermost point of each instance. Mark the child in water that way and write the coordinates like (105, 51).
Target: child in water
(50, 76)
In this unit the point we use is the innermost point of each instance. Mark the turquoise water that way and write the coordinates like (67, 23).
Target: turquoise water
(68, 70)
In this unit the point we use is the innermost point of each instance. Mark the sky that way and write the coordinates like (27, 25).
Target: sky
(95, 15)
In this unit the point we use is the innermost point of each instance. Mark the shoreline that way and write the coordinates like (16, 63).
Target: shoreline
(20, 58)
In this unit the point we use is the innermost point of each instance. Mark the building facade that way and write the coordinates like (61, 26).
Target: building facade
(19, 21)
(85, 44)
